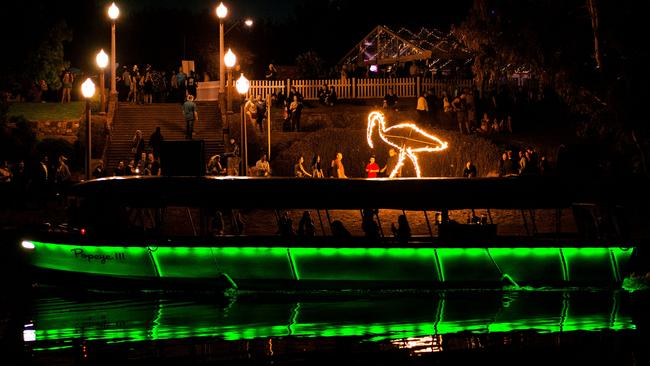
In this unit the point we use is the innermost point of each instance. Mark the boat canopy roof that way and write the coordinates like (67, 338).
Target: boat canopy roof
(406, 194)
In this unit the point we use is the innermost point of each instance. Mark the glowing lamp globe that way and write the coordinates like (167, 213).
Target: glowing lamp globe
(113, 11)
(88, 89)
(230, 59)
(242, 85)
(102, 59)
(248, 22)
(222, 11)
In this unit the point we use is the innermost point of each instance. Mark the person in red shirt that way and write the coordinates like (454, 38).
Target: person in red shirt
(372, 168)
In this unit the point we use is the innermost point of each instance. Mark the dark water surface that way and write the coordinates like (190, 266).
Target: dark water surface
(443, 328)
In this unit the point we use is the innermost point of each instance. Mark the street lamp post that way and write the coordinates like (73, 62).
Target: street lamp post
(230, 60)
(242, 88)
(102, 62)
(222, 12)
(88, 90)
(113, 13)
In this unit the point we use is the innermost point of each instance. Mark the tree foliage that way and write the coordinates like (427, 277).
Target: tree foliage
(586, 51)
(310, 65)
(555, 41)
(47, 61)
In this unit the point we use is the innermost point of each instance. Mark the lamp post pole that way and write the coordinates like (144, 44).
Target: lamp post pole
(88, 90)
(244, 170)
(222, 12)
(113, 13)
(242, 87)
(102, 97)
(229, 60)
(102, 61)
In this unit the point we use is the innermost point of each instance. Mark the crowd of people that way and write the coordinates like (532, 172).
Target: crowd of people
(34, 184)
(291, 105)
(527, 162)
(459, 111)
(148, 85)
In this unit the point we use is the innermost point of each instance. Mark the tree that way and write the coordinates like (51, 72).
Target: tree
(583, 51)
(47, 61)
(310, 65)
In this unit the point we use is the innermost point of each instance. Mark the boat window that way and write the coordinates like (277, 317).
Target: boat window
(402, 226)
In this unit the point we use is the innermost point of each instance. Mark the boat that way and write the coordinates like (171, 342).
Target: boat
(163, 231)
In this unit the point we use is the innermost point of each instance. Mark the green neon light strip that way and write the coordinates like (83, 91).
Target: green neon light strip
(565, 268)
(612, 259)
(439, 271)
(154, 261)
(293, 265)
(424, 265)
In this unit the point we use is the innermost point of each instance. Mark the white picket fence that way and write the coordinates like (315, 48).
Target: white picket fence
(345, 88)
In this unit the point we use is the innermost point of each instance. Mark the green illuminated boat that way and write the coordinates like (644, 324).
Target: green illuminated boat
(232, 232)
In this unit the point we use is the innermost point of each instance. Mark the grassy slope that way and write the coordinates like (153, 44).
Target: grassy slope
(47, 111)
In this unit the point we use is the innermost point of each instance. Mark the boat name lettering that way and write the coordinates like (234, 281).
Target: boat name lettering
(101, 258)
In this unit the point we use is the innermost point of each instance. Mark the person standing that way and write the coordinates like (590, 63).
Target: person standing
(191, 84)
(232, 157)
(138, 146)
(295, 110)
(391, 164)
(338, 170)
(470, 170)
(390, 100)
(271, 73)
(191, 115)
(372, 168)
(422, 108)
(250, 110)
(68, 79)
(181, 82)
(155, 141)
(306, 225)
(62, 179)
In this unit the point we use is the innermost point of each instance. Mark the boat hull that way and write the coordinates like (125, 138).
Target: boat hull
(276, 267)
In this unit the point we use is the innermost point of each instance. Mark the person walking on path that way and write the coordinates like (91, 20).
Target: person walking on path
(191, 115)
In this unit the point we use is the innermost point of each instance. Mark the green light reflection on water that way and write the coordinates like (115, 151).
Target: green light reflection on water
(162, 321)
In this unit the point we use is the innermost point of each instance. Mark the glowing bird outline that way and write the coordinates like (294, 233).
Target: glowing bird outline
(405, 151)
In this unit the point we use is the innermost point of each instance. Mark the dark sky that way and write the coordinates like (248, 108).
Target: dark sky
(162, 32)
(260, 8)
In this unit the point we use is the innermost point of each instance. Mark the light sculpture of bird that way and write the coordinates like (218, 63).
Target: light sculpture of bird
(401, 137)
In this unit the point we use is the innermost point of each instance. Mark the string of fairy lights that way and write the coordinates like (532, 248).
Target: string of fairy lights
(407, 145)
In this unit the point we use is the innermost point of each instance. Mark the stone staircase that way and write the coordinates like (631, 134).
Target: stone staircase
(169, 117)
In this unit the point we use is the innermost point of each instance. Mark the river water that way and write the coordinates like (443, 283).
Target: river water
(51, 326)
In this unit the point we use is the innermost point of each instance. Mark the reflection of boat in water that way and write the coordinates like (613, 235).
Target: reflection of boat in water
(59, 321)
(169, 229)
